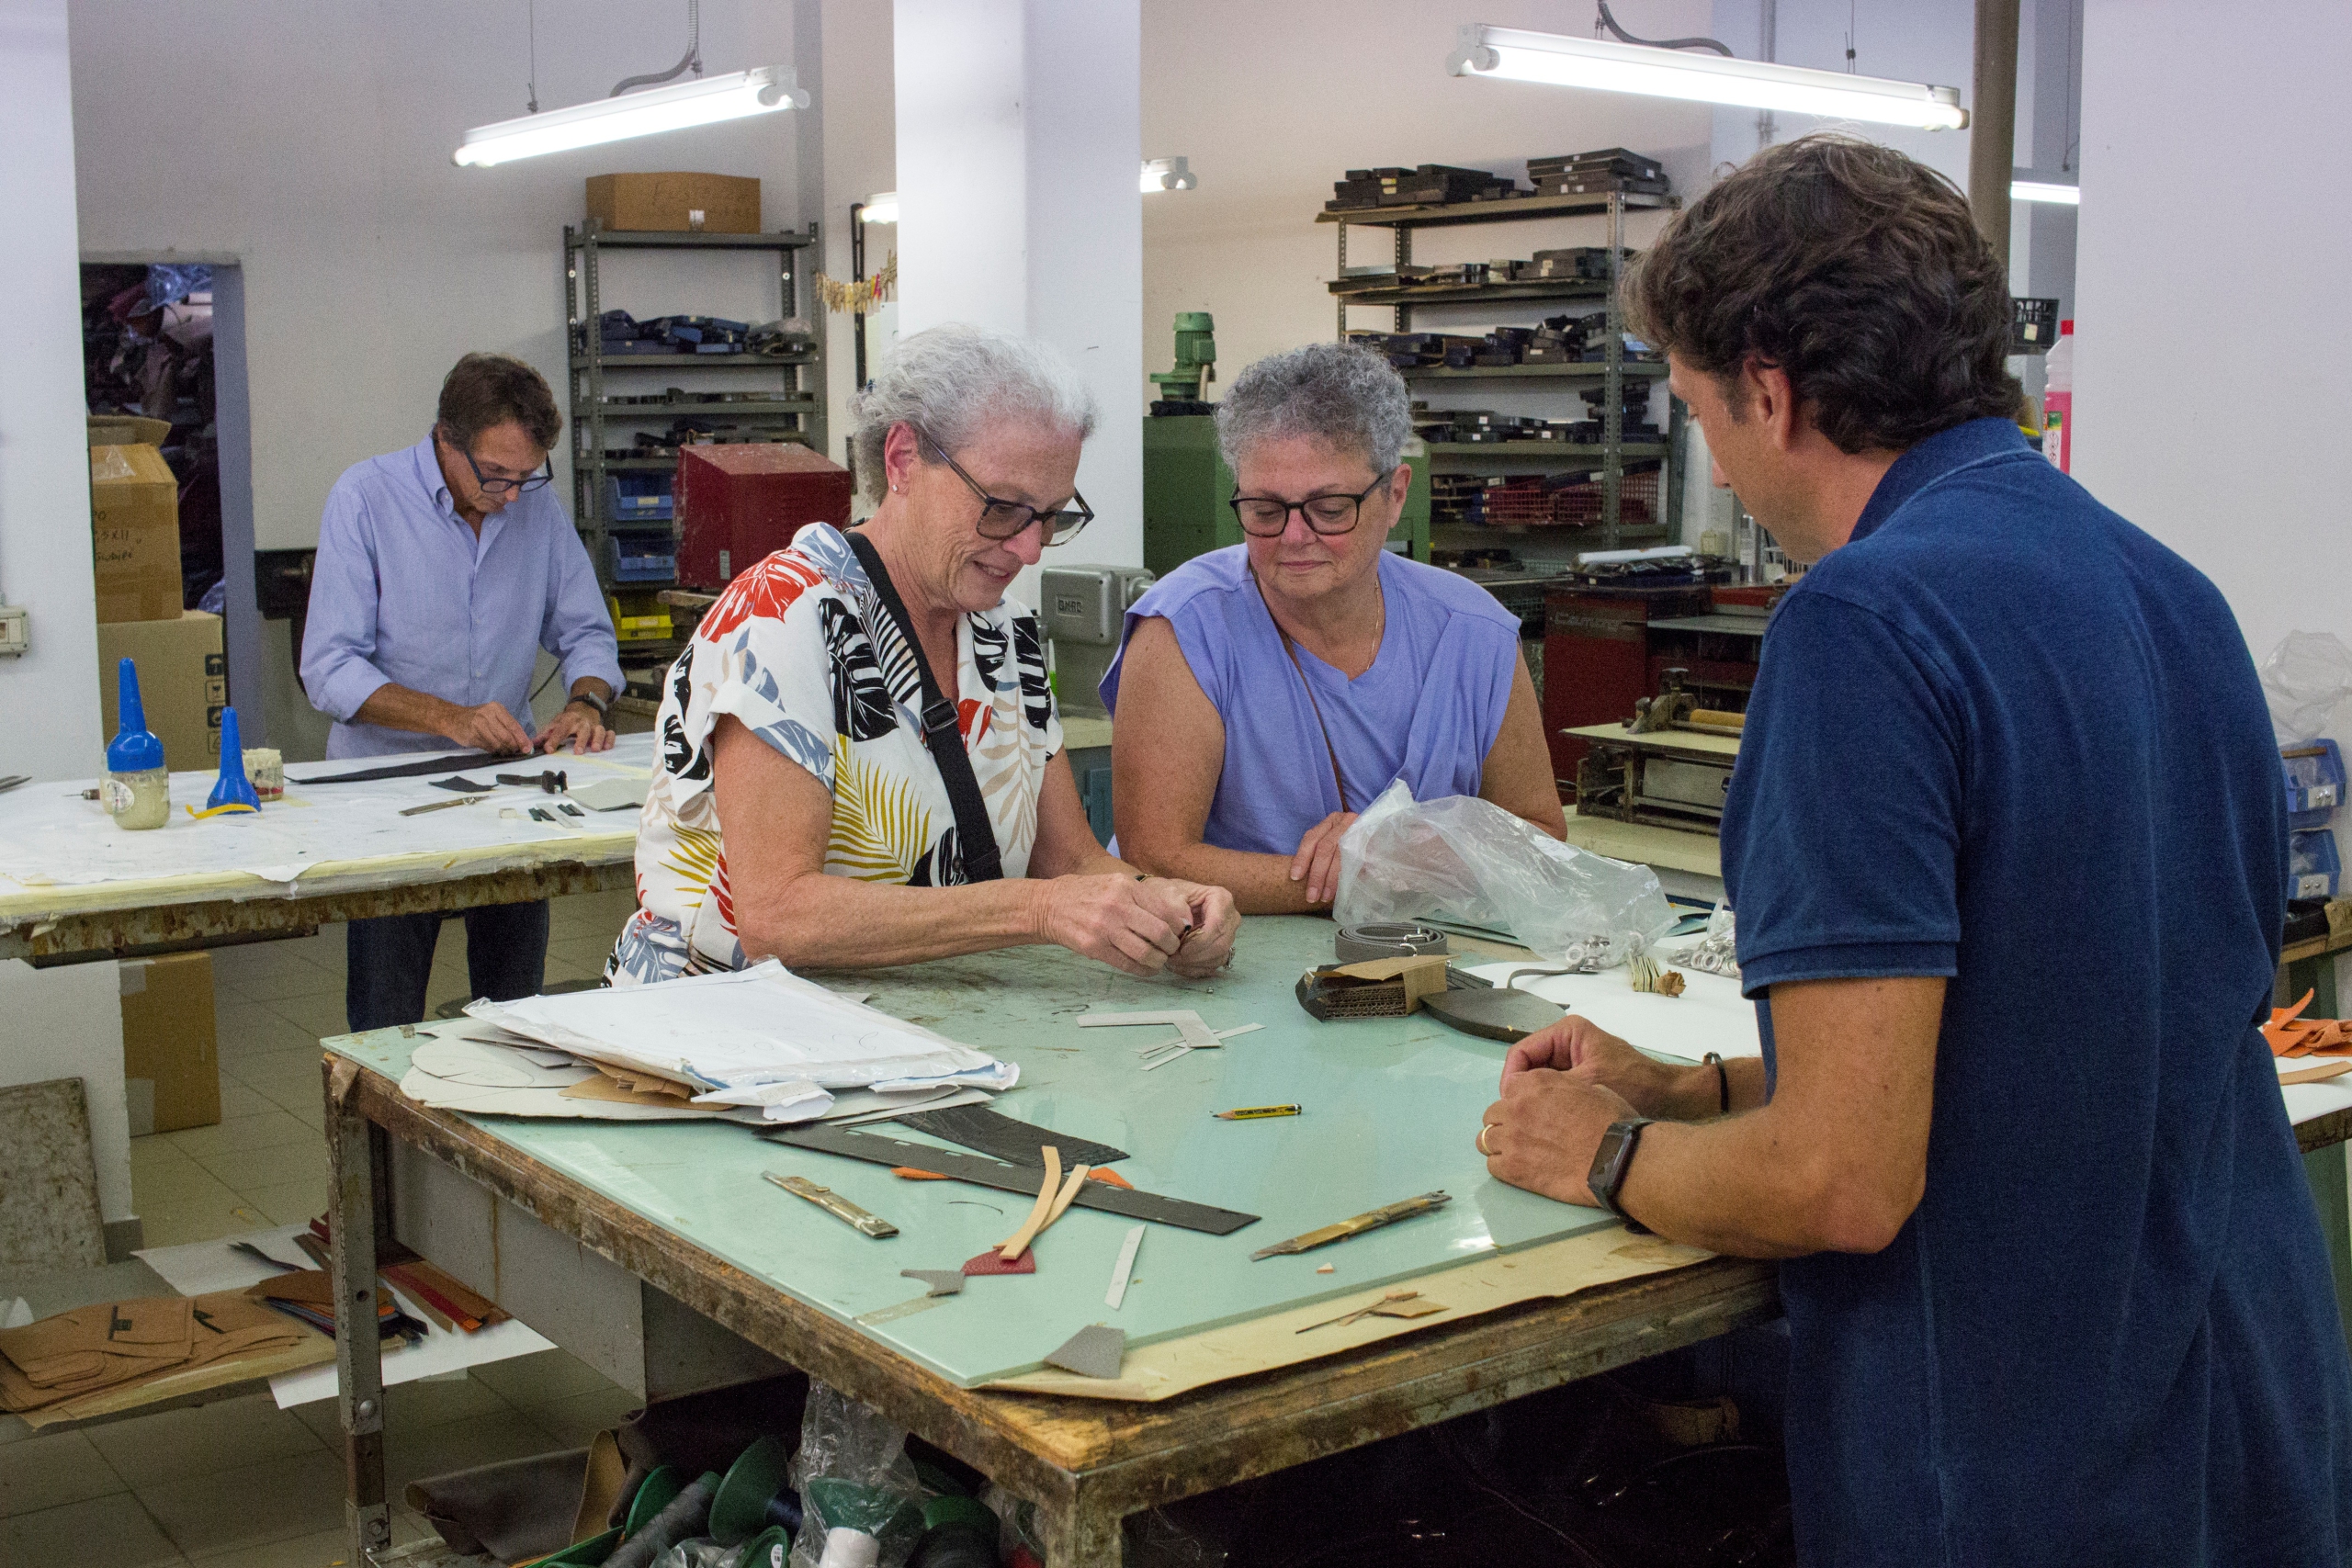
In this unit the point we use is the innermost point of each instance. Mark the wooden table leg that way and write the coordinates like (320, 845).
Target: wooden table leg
(358, 1353)
(1080, 1535)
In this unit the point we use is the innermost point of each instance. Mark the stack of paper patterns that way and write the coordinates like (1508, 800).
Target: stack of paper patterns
(758, 1045)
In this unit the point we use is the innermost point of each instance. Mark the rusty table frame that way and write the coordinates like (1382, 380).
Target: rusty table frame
(1085, 1463)
(121, 929)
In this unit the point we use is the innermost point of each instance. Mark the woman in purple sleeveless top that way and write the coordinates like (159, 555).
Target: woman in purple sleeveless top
(1266, 692)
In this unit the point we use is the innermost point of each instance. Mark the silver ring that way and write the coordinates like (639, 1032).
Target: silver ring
(1354, 944)
(1485, 1128)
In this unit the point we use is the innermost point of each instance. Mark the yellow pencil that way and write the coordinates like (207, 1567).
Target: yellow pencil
(1251, 1112)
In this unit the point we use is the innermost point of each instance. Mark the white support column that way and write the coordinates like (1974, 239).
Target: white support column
(1019, 146)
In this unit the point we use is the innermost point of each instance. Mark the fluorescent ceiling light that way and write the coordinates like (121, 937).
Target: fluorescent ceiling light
(2036, 190)
(732, 96)
(882, 206)
(1519, 56)
(1168, 173)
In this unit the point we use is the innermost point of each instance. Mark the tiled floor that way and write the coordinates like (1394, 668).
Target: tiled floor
(243, 1484)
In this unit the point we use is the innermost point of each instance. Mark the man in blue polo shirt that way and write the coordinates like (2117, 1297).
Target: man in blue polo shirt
(2006, 844)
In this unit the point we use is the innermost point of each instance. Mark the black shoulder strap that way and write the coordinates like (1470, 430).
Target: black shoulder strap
(941, 733)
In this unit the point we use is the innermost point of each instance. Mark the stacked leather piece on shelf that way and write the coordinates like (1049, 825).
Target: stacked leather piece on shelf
(119, 1345)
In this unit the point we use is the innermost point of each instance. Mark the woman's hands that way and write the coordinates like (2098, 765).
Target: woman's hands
(1316, 863)
(1141, 925)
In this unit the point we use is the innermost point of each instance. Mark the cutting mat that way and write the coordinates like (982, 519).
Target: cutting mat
(1391, 1105)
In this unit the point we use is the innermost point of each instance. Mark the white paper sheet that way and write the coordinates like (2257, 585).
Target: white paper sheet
(746, 1029)
(201, 1268)
(51, 837)
(451, 1071)
(1709, 1014)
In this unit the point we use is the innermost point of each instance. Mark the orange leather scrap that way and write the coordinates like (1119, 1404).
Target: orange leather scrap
(1109, 1178)
(909, 1173)
(2291, 1035)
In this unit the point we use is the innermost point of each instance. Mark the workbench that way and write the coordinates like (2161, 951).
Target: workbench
(44, 920)
(680, 1211)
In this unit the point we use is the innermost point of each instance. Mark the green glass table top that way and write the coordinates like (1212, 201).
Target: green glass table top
(1391, 1108)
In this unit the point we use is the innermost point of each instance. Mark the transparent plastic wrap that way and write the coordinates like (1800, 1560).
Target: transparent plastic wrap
(859, 1491)
(2306, 679)
(1715, 951)
(1468, 860)
(700, 1553)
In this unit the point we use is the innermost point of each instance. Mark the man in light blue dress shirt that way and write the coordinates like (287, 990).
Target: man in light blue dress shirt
(442, 571)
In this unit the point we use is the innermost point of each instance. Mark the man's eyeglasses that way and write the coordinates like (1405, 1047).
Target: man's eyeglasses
(1005, 519)
(499, 484)
(1265, 516)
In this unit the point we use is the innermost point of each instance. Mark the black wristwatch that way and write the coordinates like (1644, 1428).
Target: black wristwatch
(593, 700)
(1610, 1163)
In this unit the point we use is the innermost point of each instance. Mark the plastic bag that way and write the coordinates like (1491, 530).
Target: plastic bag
(700, 1553)
(1715, 953)
(1468, 860)
(2306, 679)
(853, 1473)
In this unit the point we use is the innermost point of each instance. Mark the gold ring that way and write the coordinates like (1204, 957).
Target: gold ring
(1485, 1128)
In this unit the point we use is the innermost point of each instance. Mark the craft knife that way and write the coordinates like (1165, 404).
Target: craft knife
(833, 1203)
(1387, 1215)
(441, 805)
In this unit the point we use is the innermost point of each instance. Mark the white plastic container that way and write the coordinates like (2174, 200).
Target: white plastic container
(2058, 401)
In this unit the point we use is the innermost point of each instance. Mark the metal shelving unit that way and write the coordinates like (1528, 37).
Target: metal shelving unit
(794, 407)
(1612, 372)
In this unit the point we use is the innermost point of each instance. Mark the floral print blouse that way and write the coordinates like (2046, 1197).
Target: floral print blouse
(801, 650)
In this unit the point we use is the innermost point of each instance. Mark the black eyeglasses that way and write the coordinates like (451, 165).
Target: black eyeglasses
(1265, 516)
(498, 484)
(1002, 520)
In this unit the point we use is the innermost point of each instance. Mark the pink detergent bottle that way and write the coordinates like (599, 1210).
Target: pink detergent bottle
(2058, 401)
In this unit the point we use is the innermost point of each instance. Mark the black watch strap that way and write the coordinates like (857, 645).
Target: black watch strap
(594, 701)
(1610, 1163)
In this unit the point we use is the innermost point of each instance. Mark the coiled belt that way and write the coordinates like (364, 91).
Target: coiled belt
(1354, 944)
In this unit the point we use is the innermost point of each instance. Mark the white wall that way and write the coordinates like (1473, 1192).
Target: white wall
(2249, 491)
(62, 1023)
(312, 142)
(857, 107)
(1018, 145)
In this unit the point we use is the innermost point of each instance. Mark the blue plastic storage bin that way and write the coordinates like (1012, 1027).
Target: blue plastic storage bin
(2314, 772)
(641, 558)
(2313, 869)
(639, 498)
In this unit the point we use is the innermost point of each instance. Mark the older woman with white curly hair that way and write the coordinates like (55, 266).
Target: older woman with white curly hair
(860, 758)
(1266, 692)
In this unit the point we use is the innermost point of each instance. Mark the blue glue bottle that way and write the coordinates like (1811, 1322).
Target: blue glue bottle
(138, 790)
(232, 788)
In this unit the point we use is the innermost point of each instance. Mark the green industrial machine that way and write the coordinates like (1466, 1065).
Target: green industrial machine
(1195, 360)
(1186, 484)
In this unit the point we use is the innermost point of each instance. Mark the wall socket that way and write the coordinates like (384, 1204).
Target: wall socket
(16, 631)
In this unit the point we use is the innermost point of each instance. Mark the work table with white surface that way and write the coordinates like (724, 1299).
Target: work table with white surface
(73, 885)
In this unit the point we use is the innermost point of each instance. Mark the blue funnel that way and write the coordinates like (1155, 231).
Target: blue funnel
(232, 788)
(133, 749)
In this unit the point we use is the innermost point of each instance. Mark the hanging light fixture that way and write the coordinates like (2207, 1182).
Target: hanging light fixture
(2038, 191)
(882, 206)
(1168, 173)
(762, 91)
(1515, 54)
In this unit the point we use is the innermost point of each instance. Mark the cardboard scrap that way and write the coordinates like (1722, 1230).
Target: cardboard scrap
(1094, 1351)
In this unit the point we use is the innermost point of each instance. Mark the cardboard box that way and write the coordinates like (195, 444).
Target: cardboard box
(672, 203)
(183, 682)
(135, 533)
(171, 1055)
